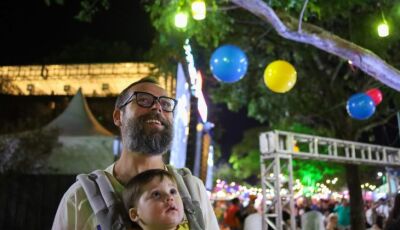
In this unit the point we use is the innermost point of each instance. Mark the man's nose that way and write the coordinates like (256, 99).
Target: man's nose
(156, 106)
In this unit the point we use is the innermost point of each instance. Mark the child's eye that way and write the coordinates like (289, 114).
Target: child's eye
(156, 194)
(173, 191)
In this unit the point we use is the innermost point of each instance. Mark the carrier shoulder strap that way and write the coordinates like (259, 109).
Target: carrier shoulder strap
(106, 204)
(190, 198)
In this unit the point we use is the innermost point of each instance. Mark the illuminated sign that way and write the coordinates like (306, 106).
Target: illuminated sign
(181, 121)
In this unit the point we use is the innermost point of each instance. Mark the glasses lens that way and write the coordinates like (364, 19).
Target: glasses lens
(147, 100)
(144, 99)
(167, 104)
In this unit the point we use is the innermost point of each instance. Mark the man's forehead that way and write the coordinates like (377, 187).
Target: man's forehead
(150, 88)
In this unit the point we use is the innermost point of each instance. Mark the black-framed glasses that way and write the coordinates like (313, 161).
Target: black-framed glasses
(147, 100)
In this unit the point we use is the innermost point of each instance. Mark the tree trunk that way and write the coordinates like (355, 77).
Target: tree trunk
(356, 201)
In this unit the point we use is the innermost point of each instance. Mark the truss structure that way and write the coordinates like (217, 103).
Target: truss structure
(278, 148)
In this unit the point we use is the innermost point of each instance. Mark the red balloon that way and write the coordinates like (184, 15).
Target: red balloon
(376, 95)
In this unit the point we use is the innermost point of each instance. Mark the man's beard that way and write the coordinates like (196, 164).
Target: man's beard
(146, 141)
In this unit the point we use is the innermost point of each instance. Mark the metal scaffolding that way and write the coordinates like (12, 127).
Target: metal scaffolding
(278, 148)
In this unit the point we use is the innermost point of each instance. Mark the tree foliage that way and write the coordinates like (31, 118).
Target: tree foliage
(88, 8)
(325, 82)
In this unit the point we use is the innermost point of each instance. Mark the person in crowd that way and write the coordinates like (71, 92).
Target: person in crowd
(144, 114)
(219, 209)
(332, 222)
(253, 221)
(343, 212)
(286, 214)
(232, 215)
(326, 208)
(393, 222)
(311, 219)
(249, 209)
(374, 221)
(152, 201)
(369, 217)
(382, 208)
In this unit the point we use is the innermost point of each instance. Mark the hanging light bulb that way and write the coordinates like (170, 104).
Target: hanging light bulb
(383, 29)
(181, 19)
(199, 9)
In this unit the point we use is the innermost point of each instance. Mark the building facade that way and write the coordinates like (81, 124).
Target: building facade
(95, 80)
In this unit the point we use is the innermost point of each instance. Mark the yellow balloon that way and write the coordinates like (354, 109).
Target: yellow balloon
(280, 76)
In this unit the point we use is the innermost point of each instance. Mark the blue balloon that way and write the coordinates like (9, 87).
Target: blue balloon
(360, 106)
(228, 63)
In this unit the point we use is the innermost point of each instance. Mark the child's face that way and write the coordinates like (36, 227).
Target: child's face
(159, 207)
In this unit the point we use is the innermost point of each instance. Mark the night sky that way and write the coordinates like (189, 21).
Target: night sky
(234, 125)
(34, 33)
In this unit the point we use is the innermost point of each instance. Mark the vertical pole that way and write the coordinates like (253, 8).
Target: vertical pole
(278, 204)
(398, 121)
(264, 193)
(197, 159)
(291, 194)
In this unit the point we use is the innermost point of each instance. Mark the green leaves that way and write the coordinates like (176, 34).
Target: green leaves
(245, 157)
(59, 2)
(90, 7)
(206, 34)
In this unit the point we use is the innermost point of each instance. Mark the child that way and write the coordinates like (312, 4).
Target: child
(153, 201)
(332, 222)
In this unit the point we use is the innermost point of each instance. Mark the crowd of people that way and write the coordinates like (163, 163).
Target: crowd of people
(233, 215)
(311, 214)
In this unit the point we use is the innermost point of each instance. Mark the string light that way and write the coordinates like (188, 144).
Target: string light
(181, 20)
(199, 9)
(383, 30)
(383, 27)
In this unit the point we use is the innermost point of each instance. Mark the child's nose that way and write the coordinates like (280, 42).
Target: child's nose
(169, 197)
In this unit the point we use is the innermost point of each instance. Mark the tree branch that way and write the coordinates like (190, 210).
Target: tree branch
(302, 14)
(373, 125)
(338, 67)
(364, 59)
(223, 8)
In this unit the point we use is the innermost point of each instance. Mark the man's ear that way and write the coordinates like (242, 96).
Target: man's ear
(117, 117)
(133, 215)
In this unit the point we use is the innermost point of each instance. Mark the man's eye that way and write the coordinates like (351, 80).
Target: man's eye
(144, 100)
(166, 104)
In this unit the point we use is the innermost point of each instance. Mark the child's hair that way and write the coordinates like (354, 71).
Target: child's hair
(135, 187)
(332, 216)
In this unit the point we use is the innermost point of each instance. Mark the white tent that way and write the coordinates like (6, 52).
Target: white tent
(85, 144)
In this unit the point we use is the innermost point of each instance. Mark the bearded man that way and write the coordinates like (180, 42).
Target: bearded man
(144, 113)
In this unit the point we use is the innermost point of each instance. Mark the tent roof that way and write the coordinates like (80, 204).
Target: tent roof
(78, 120)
